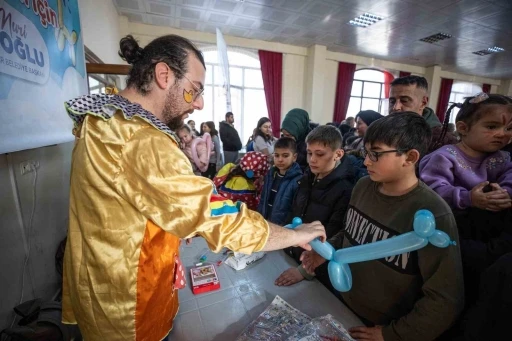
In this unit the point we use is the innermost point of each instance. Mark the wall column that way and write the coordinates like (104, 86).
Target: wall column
(505, 88)
(315, 79)
(433, 76)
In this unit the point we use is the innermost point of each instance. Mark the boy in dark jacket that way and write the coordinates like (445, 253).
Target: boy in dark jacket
(323, 195)
(281, 183)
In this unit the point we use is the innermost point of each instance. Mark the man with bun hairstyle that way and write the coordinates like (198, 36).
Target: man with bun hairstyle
(134, 195)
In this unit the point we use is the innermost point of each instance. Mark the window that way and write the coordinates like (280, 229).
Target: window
(367, 91)
(246, 86)
(460, 90)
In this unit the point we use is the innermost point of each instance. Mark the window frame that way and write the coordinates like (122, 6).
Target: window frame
(241, 88)
(453, 93)
(361, 97)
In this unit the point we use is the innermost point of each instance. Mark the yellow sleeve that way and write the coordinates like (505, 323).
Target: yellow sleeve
(156, 177)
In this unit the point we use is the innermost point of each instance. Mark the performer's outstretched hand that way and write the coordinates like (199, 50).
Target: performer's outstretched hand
(282, 237)
(308, 232)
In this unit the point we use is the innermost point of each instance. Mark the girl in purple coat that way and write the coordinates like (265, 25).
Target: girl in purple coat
(475, 172)
(474, 177)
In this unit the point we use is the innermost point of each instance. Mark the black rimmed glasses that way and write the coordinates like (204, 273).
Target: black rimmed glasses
(374, 156)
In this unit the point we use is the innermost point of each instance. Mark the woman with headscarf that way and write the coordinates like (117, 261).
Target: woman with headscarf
(296, 124)
(355, 148)
(363, 120)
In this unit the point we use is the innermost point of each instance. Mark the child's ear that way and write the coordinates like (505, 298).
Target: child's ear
(462, 128)
(412, 157)
(294, 157)
(338, 154)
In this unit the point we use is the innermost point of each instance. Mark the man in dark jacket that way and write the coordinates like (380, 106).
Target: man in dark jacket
(231, 143)
(323, 195)
(410, 94)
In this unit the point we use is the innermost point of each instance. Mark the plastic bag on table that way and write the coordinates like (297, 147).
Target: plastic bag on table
(278, 322)
(321, 329)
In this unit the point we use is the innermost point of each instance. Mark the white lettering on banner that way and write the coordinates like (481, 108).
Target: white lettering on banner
(23, 52)
(361, 231)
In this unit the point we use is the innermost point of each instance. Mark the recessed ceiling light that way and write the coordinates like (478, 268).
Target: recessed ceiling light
(365, 20)
(436, 37)
(494, 49)
(327, 18)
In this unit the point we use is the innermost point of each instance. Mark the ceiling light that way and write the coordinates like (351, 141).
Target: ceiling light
(436, 37)
(327, 18)
(494, 49)
(365, 20)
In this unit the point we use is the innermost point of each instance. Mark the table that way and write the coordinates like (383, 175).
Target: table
(222, 315)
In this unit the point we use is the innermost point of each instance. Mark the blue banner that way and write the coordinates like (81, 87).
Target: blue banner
(41, 66)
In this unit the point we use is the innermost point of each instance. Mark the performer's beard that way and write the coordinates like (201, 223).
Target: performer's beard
(174, 113)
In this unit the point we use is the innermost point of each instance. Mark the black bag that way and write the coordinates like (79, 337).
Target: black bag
(41, 321)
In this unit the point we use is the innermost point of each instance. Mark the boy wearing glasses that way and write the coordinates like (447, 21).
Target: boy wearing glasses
(410, 296)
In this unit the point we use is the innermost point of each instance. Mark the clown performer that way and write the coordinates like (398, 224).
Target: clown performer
(134, 195)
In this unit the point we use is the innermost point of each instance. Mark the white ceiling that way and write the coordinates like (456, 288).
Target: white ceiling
(474, 25)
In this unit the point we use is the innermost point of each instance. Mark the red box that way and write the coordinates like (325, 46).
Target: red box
(204, 279)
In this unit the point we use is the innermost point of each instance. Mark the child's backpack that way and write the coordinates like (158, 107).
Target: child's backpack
(40, 321)
(242, 182)
(250, 146)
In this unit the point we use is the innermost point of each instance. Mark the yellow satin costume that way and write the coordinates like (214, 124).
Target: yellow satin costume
(133, 195)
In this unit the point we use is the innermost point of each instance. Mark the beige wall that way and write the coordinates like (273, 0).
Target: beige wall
(309, 74)
(329, 93)
(293, 83)
(101, 29)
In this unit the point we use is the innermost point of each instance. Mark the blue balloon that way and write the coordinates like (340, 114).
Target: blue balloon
(323, 249)
(424, 223)
(440, 239)
(406, 242)
(296, 221)
(424, 232)
(340, 276)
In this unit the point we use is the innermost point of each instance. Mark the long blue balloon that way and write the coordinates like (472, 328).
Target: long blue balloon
(424, 232)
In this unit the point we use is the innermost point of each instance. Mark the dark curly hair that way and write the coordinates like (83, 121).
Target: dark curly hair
(171, 49)
(210, 125)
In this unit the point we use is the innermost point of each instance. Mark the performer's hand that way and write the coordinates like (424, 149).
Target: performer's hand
(367, 333)
(308, 232)
(311, 260)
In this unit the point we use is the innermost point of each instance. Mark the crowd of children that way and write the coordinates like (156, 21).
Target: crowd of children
(428, 294)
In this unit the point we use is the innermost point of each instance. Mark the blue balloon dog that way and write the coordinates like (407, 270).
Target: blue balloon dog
(339, 272)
